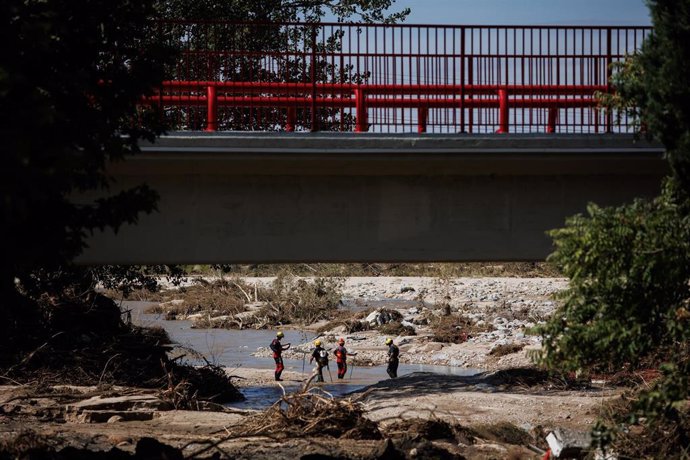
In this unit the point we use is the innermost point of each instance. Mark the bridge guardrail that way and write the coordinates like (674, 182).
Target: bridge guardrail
(393, 78)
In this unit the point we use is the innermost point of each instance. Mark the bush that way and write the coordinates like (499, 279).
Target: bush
(626, 304)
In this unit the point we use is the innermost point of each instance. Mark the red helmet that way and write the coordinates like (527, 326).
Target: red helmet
(341, 341)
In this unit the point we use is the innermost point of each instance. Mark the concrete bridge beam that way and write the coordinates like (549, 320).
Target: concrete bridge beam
(282, 197)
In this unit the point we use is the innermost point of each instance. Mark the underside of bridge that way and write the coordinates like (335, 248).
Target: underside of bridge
(289, 197)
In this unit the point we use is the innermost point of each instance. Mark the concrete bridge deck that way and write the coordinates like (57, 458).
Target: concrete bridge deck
(282, 197)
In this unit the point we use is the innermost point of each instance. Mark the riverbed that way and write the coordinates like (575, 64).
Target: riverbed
(232, 349)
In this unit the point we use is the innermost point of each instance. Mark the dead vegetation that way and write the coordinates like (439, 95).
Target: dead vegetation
(429, 429)
(536, 378)
(506, 349)
(350, 326)
(311, 413)
(222, 297)
(503, 432)
(395, 328)
(455, 328)
(236, 304)
(87, 342)
(292, 300)
(663, 437)
(470, 269)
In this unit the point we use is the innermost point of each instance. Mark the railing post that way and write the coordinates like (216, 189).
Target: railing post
(462, 79)
(291, 119)
(553, 117)
(470, 81)
(609, 73)
(362, 123)
(211, 109)
(503, 111)
(422, 116)
(314, 117)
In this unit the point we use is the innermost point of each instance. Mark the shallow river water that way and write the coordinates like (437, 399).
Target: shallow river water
(234, 348)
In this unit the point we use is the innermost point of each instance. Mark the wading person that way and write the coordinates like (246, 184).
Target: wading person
(393, 353)
(321, 357)
(341, 358)
(277, 349)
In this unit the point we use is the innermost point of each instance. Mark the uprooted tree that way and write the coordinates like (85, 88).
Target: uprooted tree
(628, 304)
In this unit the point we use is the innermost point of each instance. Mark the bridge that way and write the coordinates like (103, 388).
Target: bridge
(381, 143)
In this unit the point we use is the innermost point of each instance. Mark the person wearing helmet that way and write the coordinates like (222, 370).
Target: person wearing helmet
(341, 358)
(393, 353)
(277, 348)
(321, 357)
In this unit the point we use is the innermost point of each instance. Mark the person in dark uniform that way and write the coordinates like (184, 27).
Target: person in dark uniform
(277, 348)
(341, 358)
(321, 357)
(393, 353)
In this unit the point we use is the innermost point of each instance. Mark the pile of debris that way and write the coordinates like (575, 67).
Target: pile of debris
(307, 413)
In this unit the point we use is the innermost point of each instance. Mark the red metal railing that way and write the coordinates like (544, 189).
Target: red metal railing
(393, 78)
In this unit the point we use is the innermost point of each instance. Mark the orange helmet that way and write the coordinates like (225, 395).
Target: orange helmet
(341, 341)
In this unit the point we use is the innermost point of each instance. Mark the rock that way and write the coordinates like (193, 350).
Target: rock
(433, 346)
(439, 357)
(105, 416)
(119, 439)
(371, 317)
(405, 289)
(381, 317)
(500, 321)
(458, 362)
(568, 443)
(120, 403)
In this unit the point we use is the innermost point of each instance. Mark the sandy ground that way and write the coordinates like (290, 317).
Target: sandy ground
(469, 401)
(510, 305)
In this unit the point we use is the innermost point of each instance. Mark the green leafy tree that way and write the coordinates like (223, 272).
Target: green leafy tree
(628, 303)
(655, 83)
(71, 76)
(259, 41)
